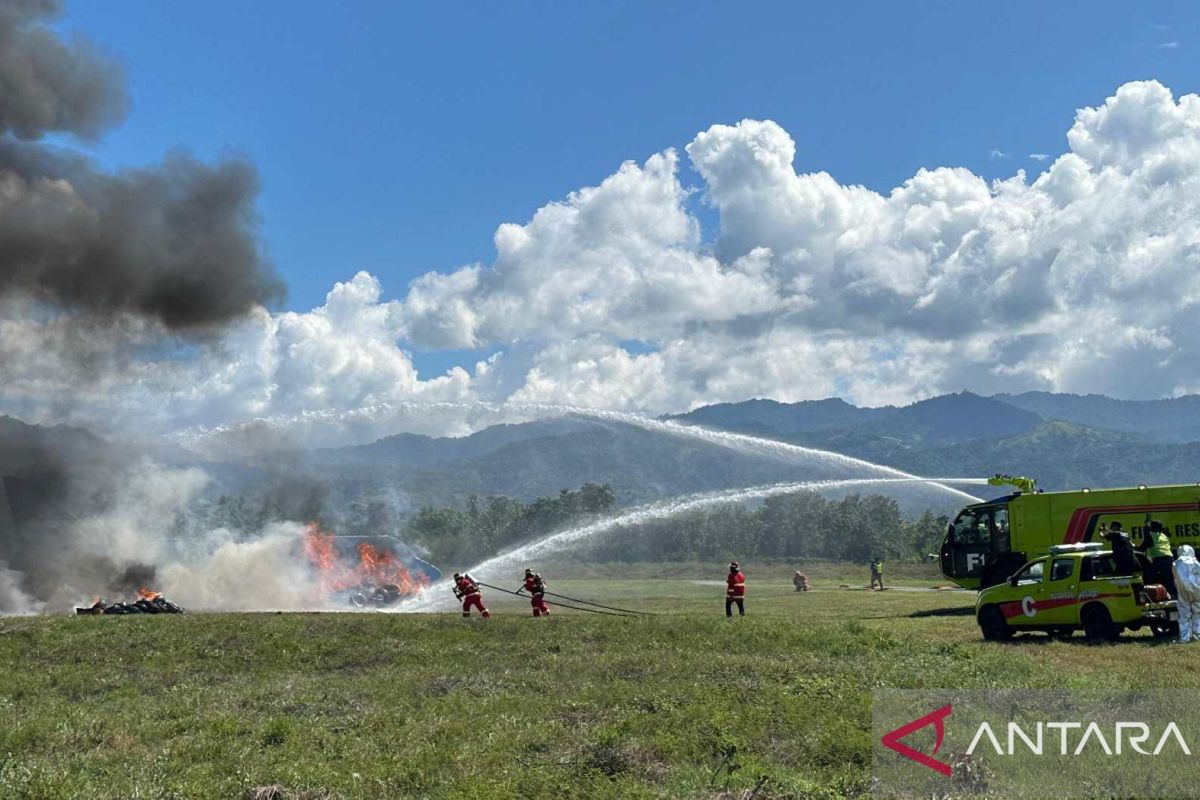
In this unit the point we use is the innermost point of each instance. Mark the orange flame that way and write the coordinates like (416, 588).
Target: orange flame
(148, 594)
(374, 567)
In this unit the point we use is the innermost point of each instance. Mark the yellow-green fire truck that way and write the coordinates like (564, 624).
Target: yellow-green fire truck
(988, 542)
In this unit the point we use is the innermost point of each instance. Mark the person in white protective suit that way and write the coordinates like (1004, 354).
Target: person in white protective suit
(1187, 582)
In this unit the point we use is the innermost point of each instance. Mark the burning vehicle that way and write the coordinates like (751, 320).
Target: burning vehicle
(365, 571)
(148, 602)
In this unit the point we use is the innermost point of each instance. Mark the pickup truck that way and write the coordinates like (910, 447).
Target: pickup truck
(1074, 587)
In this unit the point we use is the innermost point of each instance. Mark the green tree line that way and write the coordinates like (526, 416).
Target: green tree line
(799, 526)
(805, 525)
(487, 525)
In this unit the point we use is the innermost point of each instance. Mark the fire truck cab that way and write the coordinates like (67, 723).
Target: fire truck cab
(987, 542)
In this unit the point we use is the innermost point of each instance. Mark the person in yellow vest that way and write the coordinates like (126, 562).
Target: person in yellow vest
(1158, 550)
(877, 573)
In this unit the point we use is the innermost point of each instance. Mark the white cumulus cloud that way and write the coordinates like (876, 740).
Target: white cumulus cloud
(1081, 280)
(1084, 279)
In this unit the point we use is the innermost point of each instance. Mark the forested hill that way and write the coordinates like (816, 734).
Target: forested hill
(1175, 419)
(1064, 441)
(962, 416)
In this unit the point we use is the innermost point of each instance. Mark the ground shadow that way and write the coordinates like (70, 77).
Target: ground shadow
(962, 611)
(1041, 639)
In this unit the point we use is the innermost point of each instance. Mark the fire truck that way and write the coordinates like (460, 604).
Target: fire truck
(987, 542)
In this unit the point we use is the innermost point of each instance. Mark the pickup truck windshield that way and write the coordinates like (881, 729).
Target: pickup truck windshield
(1031, 574)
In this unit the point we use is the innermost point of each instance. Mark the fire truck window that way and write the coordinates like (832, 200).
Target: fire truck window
(1062, 569)
(1000, 533)
(971, 528)
(1031, 574)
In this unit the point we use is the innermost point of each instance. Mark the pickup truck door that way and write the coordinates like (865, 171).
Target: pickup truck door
(1028, 591)
(1059, 593)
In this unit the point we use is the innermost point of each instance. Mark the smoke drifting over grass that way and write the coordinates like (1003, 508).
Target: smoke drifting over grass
(112, 528)
(266, 573)
(13, 599)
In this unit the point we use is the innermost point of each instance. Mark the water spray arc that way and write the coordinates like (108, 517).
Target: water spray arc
(744, 442)
(506, 562)
(736, 441)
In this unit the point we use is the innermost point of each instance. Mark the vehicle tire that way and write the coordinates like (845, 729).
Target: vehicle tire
(993, 626)
(1164, 630)
(1098, 625)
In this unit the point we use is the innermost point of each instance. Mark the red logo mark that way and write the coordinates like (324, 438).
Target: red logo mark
(891, 740)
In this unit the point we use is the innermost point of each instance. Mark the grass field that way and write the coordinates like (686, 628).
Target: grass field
(685, 704)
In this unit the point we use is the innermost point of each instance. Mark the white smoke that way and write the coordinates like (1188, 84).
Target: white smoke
(137, 524)
(147, 533)
(13, 599)
(266, 573)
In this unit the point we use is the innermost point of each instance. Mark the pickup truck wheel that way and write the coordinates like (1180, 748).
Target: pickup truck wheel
(1162, 630)
(993, 626)
(1098, 625)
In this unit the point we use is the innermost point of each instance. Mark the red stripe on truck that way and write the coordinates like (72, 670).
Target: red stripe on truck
(1081, 519)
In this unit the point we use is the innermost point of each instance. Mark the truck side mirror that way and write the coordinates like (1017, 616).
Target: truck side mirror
(1012, 580)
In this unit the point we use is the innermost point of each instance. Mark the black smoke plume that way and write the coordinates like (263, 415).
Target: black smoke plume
(175, 243)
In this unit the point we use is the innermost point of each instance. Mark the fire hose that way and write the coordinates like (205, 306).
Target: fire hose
(598, 605)
(562, 605)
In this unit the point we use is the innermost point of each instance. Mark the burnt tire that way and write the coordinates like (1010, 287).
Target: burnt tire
(993, 625)
(1098, 626)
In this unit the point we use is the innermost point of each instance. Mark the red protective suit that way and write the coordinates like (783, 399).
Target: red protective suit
(466, 589)
(537, 594)
(735, 584)
(735, 592)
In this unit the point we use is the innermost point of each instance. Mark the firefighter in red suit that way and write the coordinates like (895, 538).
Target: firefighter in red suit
(467, 590)
(537, 593)
(735, 590)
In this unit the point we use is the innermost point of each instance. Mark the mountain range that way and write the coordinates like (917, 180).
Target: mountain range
(1063, 440)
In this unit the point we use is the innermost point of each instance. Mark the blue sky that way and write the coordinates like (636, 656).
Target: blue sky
(396, 137)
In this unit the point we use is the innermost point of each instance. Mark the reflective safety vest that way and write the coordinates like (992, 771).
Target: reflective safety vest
(1160, 547)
